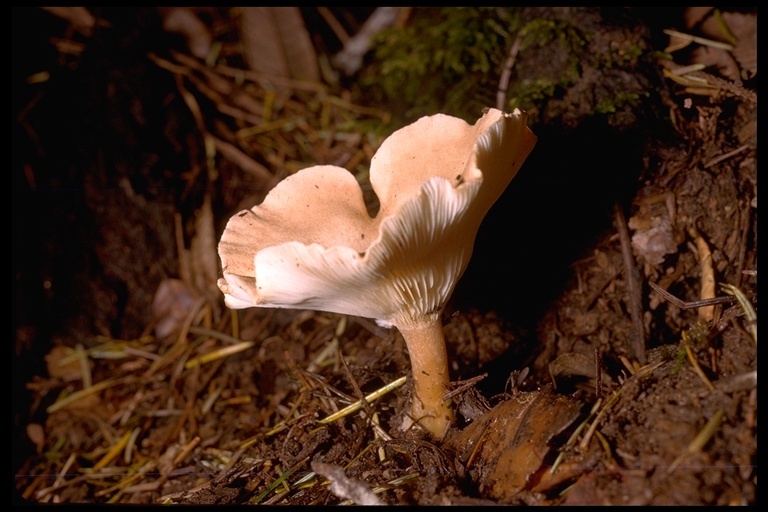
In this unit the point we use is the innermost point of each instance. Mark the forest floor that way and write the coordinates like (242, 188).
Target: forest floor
(590, 373)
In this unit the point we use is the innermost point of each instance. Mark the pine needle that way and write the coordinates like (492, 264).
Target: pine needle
(356, 406)
(701, 439)
(218, 354)
(700, 40)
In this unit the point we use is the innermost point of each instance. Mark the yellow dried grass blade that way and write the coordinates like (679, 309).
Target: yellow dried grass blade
(113, 452)
(698, 369)
(688, 80)
(700, 40)
(77, 395)
(218, 354)
(701, 438)
(359, 404)
(746, 305)
(277, 483)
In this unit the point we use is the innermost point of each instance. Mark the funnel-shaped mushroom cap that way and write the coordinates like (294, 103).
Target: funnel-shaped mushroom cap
(312, 245)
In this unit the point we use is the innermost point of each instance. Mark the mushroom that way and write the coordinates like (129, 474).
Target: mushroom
(311, 243)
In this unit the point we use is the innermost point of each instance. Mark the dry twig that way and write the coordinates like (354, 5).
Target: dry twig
(634, 291)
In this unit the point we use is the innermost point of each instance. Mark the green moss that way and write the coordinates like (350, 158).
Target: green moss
(619, 57)
(615, 103)
(444, 60)
(532, 92)
(451, 60)
(547, 81)
(680, 358)
(541, 32)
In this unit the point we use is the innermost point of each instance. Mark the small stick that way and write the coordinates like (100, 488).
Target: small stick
(501, 92)
(693, 304)
(598, 376)
(726, 156)
(463, 385)
(637, 333)
(334, 24)
(746, 216)
(366, 406)
(186, 450)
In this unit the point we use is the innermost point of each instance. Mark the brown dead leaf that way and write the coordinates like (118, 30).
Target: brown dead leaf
(184, 21)
(276, 42)
(719, 59)
(61, 364)
(171, 306)
(79, 17)
(654, 236)
(694, 15)
(744, 28)
(572, 364)
(505, 450)
(36, 434)
(656, 242)
(737, 28)
(204, 258)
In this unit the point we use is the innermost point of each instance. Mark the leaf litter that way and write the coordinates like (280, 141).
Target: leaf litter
(210, 406)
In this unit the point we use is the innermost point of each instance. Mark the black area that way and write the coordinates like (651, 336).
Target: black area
(88, 118)
(30, 54)
(551, 214)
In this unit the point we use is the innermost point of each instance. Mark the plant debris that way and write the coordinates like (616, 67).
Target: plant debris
(583, 384)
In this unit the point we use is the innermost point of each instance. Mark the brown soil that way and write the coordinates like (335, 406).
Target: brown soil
(576, 381)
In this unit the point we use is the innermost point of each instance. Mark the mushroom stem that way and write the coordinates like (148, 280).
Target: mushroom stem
(429, 365)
